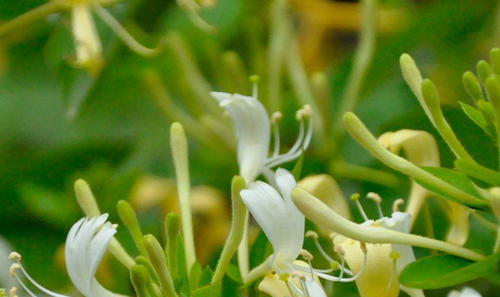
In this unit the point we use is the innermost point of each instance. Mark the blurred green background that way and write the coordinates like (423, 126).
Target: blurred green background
(57, 124)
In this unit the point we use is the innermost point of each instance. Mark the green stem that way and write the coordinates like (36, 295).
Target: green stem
(243, 254)
(30, 16)
(179, 146)
(362, 59)
(258, 272)
(237, 229)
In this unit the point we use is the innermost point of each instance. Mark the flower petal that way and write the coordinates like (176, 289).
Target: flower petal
(253, 131)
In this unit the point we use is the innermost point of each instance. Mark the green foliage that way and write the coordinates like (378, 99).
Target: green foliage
(443, 271)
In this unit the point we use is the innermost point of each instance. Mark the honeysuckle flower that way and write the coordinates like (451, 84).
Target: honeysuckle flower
(86, 244)
(88, 47)
(466, 292)
(283, 225)
(421, 149)
(253, 131)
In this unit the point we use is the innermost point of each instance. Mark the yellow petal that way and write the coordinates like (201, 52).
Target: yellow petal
(272, 285)
(328, 191)
(379, 278)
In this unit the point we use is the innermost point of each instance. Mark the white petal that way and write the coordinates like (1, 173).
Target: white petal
(253, 131)
(466, 292)
(281, 221)
(86, 244)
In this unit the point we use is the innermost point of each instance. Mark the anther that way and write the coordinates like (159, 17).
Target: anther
(115, 226)
(13, 268)
(284, 277)
(12, 292)
(312, 234)
(298, 275)
(308, 256)
(378, 200)
(276, 117)
(339, 250)
(394, 255)
(363, 247)
(254, 79)
(397, 204)
(15, 256)
(355, 197)
(333, 235)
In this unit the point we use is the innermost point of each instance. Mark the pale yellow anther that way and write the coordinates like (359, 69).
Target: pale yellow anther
(115, 226)
(15, 256)
(13, 268)
(375, 197)
(363, 247)
(12, 292)
(339, 250)
(397, 203)
(307, 109)
(276, 117)
(306, 255)
(298, 275)
(312, 234)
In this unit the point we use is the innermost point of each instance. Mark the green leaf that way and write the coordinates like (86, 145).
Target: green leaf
(194, 276)
(455, 178)
(206, 277)
(233, 272)
(258, 250)
(443, 271)
(212, 290)
(477, 171)
(477, 117)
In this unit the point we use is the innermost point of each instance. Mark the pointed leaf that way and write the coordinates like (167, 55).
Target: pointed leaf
(477, 117)
(477, 171)
(455, 178)
(212, 290)
(194, 276)
(443, 271)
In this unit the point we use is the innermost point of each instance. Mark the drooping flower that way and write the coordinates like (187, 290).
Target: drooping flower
(253, 131)
(283, 225)
(466, 292)
(385, 261)
(86, 244)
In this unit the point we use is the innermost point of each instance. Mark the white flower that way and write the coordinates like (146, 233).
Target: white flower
(283, 225)
(253, 131)
(86, 244)
(466, 292)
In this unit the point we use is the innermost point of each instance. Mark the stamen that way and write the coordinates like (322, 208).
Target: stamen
(275, 117)
(397, 204)
(378, 201)
(37, 285)
(12, 292)
(121, 32)
(255, 80)
(13, 268)
(302, 280)
(355, 198)
(393, 255)
(309, 257)
(302, 142)
(15, 256)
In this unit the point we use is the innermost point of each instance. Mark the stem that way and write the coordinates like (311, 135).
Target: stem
(30, 16)
(362, 59)
(243, 255)
(237, 229)
(277, 46)
(179, 146)
(318, 212)
(301, 86)
(258, 272)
